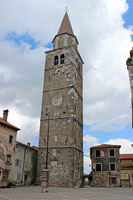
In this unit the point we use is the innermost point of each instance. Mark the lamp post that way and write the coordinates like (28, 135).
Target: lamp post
(45, 175)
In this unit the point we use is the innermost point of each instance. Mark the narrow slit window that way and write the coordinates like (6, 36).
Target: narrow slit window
(56, 60)
(10, 139)
(69, 41)
(62, 59)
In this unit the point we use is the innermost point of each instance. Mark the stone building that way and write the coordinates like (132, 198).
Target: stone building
(61, 125)
(8, 133)
(130, 72)
(105, 159)
(126, 162)
(24, 164)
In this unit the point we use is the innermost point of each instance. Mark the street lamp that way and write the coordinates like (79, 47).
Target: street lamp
(45, 175)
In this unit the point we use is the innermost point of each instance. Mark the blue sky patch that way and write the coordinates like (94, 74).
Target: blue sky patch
(104, 136)
(49, 45)
(128, 16)
(24, 38)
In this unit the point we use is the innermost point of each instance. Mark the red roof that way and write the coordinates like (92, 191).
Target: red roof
(31, 147)
(106, 146)
(5, 123)
(126, 156)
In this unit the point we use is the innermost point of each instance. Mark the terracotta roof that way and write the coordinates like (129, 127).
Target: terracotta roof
(35, 148)
(5, 123)
(65, 25)
(31, 147)
(106, 146)
(126, 156)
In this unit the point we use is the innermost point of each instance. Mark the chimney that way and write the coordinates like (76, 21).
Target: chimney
(28, 144)
(5, 115)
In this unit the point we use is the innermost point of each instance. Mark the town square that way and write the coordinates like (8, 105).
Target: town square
(66, 100)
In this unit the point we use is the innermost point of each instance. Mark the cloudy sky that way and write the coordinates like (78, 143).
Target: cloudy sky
(104, 29)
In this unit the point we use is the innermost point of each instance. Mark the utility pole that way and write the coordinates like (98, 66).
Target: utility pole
(45, 174)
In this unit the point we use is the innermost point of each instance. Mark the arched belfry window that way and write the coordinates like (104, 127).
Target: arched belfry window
(62, 59)
(56, 60)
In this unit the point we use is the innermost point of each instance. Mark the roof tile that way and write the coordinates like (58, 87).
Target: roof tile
(106, 146)
(126, 156)
(8, 124)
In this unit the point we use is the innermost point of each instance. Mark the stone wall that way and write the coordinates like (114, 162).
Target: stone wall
(62, 116)
(64, 166)
(100, 179)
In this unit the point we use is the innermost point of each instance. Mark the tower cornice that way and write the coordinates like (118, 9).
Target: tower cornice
(67, 34)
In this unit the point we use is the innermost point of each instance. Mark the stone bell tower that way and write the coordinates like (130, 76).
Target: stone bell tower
(62, 111)
(129, 63)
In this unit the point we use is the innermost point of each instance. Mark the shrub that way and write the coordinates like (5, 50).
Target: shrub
(10, 185)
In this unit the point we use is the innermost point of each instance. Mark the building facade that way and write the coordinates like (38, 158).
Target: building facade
(105, 161)
(130, 72)
(126, 162)
(61, 125)
(24, 164)
(8, 133)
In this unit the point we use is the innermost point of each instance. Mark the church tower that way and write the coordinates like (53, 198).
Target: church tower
(62, 111)
(129, 64)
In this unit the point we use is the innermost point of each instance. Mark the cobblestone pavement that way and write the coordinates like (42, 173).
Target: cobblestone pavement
(33, 193)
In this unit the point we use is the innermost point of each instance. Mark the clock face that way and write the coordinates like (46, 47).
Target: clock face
(57, 100)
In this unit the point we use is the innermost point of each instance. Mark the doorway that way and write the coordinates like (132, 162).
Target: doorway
(25, 179)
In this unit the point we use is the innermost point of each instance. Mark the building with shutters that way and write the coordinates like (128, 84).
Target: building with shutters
(8, 133)
(126, 162)
(105, 161)
(24, 164)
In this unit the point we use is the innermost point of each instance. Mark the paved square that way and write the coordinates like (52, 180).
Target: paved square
(33, 193)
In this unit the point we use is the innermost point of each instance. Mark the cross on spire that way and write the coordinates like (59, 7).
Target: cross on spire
(66, 9)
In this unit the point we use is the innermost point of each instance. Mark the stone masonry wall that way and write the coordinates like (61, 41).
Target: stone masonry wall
(100, 179)
(62, 110)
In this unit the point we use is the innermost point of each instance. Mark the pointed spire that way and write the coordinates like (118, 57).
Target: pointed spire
(65, 25)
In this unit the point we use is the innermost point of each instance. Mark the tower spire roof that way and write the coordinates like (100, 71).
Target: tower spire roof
(65, 25)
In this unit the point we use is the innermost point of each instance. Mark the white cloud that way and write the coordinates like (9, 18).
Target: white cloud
(104, 46)
(90, 140)
(125, 145)
(87, 164)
